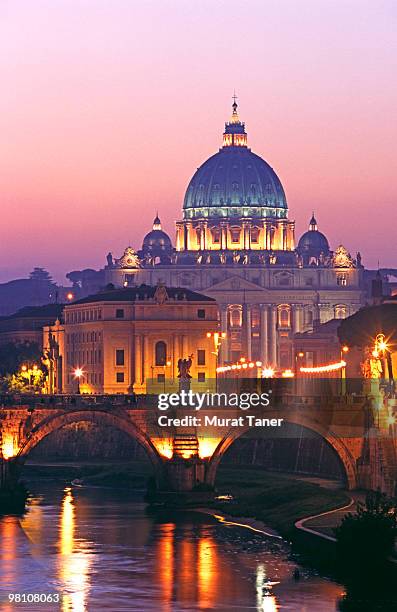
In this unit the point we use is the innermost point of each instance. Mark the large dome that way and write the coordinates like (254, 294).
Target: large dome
(235, 182)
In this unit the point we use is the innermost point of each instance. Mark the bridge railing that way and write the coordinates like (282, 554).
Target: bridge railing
(150, 400)
(64, 401)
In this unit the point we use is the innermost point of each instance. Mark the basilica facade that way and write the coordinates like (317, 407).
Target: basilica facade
(236, 244)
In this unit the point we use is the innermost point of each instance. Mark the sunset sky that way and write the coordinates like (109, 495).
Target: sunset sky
(107, 107)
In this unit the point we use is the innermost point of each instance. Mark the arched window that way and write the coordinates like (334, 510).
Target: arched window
(216, 235)
(284, 319)
(340, 311)
(235, 316)
(255, 317)
(235, 234)
(255, 234)
(161, 353)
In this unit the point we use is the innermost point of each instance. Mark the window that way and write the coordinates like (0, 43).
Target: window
(284, 316)
(201, 357)
(341, 280)
(160, 378)
(120, 377)
(308, 317)
(255, 234)
(201, 313)
(283, 279)
(340, 312)
(161, 353)
(235, 234)
(201, 377)
(119, 313)
(216, 235)
(119, 357)
(235, 316)
(255, 317)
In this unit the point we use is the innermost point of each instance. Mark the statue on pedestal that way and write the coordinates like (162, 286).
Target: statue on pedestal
(184, 375)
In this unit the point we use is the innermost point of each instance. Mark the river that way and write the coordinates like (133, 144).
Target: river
(100, 549)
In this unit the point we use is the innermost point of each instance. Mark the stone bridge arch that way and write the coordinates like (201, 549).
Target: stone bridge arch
(101, 417)
(346, 458)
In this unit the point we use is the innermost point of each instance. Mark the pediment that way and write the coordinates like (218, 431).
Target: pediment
(235, 283)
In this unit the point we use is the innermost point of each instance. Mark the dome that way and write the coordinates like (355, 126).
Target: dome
(313, 242)
(235, 182)
(156, 242)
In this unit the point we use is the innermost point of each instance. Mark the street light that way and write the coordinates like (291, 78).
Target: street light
(218, 337)
(343, 352)
(78, 373)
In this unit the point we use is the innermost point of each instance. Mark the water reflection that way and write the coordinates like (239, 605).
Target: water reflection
(102, 550)
(74, 561)
(265, 601)
(207, 572)
(8, 532)
(166, 565)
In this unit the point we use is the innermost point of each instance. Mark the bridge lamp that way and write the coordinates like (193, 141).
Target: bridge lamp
(345, 349)
(382, 346)
(267, 373)
(24, 368)
(69, 296)
(78, 373)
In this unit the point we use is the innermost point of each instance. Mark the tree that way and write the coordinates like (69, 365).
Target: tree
(365, 540)
(14, 356)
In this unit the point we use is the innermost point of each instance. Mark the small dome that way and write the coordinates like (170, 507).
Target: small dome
(313, 242)
(156, 242)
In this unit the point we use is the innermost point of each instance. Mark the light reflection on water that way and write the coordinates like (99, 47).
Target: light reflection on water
(102, 550)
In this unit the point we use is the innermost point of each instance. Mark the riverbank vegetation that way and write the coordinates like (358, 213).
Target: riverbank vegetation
(276, 499)
(366, 539)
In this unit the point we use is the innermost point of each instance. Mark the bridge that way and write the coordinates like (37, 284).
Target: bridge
(359, 427)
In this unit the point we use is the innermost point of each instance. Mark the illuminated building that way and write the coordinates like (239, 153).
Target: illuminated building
(115, 340)
(236, 243)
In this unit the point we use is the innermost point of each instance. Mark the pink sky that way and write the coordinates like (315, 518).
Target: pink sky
(108, 106)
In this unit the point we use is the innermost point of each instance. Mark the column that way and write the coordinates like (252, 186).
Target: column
(248, 331)
(188, 234)
(179, 238)
(185, 347)
(175, 355)
(224, 353)
(297, 318)
(264, 354)
(202, 236)
(223, 236)
(138, 360)
(147, 362)
(206, 241)
(295, 321)
(273, 335)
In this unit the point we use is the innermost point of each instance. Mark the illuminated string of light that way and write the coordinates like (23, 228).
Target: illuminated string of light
(240, 365)
(330, 367)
